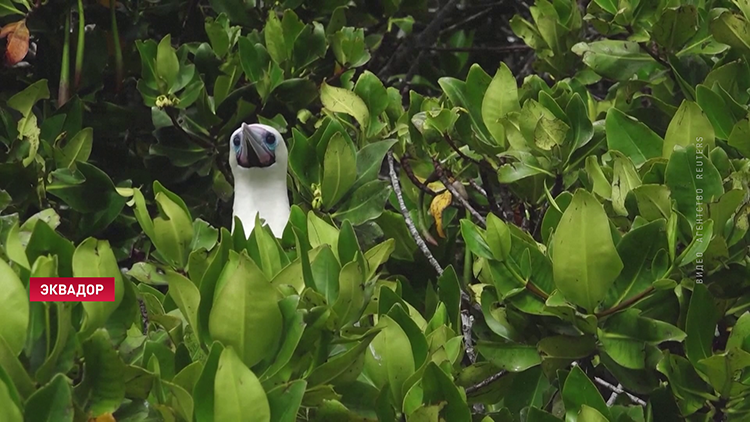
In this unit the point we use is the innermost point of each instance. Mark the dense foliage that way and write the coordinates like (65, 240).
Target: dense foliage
(502, 212)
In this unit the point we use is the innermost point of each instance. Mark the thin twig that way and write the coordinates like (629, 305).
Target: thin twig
(626, 303)
(480, 189)
(410, 174)
(407, 218)
(618, 390)
(492, 378)
(448, 185)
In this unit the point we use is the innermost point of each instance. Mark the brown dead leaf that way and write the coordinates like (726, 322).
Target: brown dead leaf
(18, 41)
(437, 206)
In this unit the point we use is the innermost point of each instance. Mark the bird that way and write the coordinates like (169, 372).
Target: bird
(258, 158)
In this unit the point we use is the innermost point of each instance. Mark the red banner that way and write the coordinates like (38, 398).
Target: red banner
(72, 289)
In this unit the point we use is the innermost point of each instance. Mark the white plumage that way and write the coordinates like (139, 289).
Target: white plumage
(258, 158)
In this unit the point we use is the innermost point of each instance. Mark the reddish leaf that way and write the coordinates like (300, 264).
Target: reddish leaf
(18, 41)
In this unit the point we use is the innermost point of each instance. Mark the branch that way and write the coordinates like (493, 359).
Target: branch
(426, 37)
(448, 185)
(410, 174)
(479, 189)
(485, 382)
(626, 303)
(407, 218)
(617, 390)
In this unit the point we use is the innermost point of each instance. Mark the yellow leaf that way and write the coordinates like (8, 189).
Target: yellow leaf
(438, 204)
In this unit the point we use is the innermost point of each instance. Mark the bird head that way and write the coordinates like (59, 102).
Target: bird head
(257, 146)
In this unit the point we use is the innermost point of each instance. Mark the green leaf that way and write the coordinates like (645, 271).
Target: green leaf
(8, 409)
(438, 387)
(25, 100)
(615, 59)
(474, 239)
(347, 362)
(274, 37)
(578, 391)
(700, 324)
(676, 26)
(511, 357)
(624, 335)
(689, 175)
(104, 372)
(584, 277)
(339, 170)
(389, 359)
(370, 160)
(500, 99)
(245, 313)
(733, 30)
(167, 65)
(205, 386)
(238, 392)
(285, 400)
(94, 258)
(7, 8)
(350, 299)
(15, 371)
(340, 100)
(173, 230)
(498, 237)
(13, 297)
(631, 137)
(186, 296)
(637, 249)
(365, 204)
(51, 403)
(689, 126)
(348, 45)
(79, 148)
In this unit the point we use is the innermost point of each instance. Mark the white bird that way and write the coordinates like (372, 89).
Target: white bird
(258, 157)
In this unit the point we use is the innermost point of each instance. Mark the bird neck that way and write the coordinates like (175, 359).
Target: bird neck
(262, 192)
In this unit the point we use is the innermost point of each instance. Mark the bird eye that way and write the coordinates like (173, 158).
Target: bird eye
(236, 141)
(270, 139)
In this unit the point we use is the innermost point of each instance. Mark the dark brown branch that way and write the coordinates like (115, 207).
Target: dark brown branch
(456, 195)
(413, 178)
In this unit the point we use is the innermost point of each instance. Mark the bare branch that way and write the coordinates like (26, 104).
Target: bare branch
(485, 382)
(407, 218)
(618, 390)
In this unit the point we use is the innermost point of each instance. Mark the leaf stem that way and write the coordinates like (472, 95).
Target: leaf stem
(63, 89)
(80, 46)
(116, 45)
(625, 304)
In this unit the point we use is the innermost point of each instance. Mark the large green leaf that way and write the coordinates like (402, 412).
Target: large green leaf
(339, 170)
(104, 374)
(342, 100)
(631, 137)
(51, 403)
(689, 126)
(584, 276)
(500, 99)
(578, 391)
(700, 324)
(245, 313)
(94, 258)
(237, 392)
(13, 297)
(693, 181)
